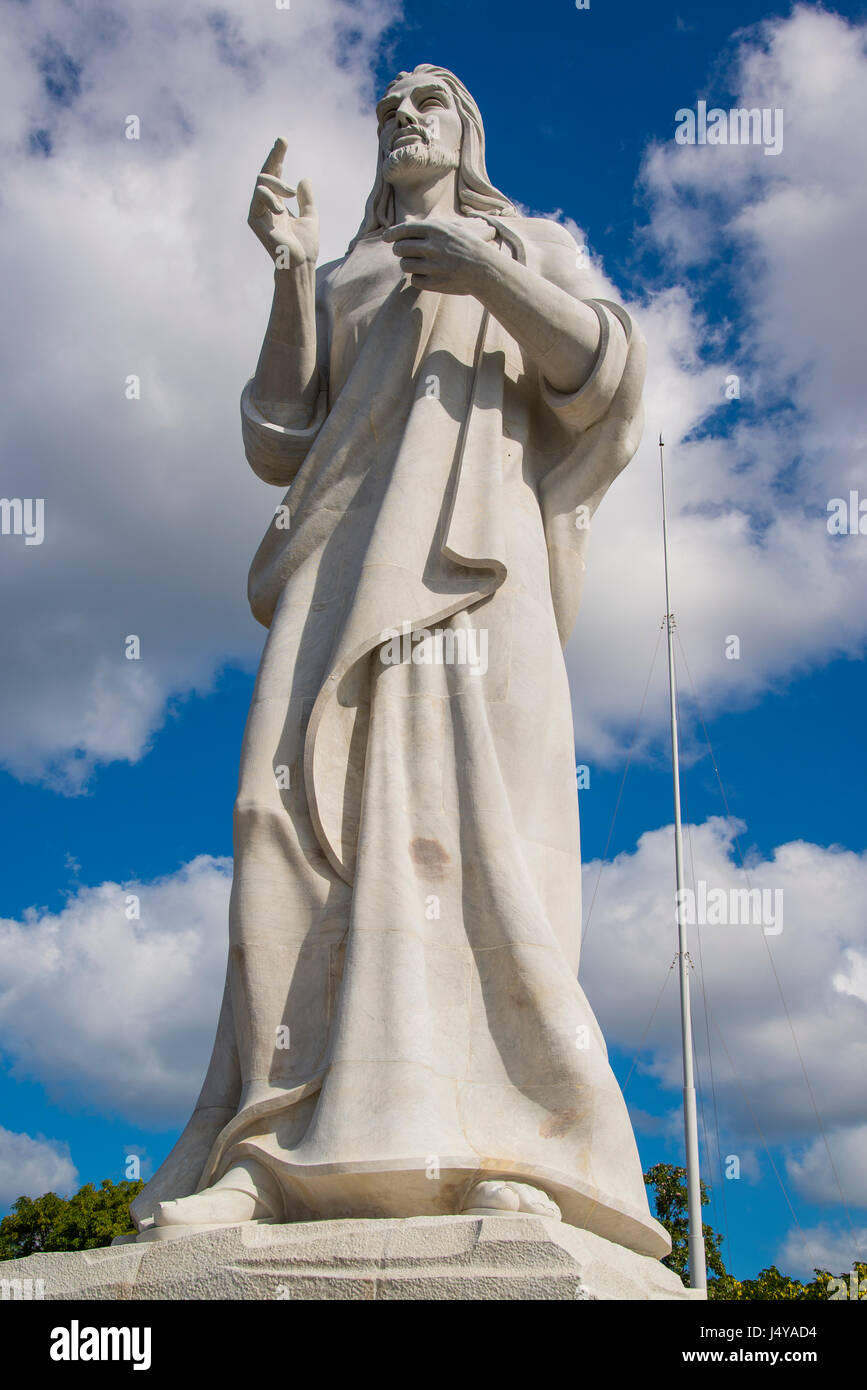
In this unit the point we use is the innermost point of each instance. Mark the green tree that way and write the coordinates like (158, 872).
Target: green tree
(668, 1185)
(670, 1197)
(820, 1286)
(771, 1285)
(768, 1286)
(85, 1221)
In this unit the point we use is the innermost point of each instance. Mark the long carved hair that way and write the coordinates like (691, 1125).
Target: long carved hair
(476, 194)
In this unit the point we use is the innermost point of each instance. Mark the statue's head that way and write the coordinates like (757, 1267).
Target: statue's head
(429, 122)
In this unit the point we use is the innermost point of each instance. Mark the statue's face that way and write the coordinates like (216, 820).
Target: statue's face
(419, 129)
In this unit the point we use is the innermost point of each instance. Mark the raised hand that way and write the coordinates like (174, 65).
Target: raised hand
(289, 240)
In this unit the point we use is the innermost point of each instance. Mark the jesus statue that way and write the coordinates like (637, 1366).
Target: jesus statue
(403, 1032)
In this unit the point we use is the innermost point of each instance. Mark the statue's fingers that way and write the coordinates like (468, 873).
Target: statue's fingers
(408, 247)
(277, 185)
(306, 205)
(263, 198)
(274, 163)
(404, 229)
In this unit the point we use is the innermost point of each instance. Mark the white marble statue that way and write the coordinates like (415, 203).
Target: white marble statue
(403, 1032)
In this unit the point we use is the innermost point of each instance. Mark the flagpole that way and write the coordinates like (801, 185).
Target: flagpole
(696, 1253)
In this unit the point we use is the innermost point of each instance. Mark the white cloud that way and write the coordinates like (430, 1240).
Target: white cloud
(630, 945)
(822, 1247)
(133, 257)
(853, 978)
(117, 1014)
(751, 555)
(814, 1176)
(30, 1167)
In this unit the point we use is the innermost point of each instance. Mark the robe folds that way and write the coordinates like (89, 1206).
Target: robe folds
(402, 1014)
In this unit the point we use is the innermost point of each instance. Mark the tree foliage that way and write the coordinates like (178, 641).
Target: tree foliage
(86, 1221)
(670, 1196)
(92, 1218)
(668, 1185)
(771, 1285)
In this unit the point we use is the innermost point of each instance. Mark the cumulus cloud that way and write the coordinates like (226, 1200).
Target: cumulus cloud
(778, 242)
(132, 257)
(822, 1247)
(813, 1176)
(117, 1012)
(31, 1166)
(761, 1093)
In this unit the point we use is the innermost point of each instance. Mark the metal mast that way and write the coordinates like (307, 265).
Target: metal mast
(697, 1271)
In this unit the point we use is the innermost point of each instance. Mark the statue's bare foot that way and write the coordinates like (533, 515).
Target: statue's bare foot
(498, 1195)
(245, 1193)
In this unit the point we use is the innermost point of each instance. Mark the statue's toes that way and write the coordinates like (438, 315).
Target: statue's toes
(216, 1206)
(492, 1195)
(500, 1195)
(536, 1202)
(172, 1213)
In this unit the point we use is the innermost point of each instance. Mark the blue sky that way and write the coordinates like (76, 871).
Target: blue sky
(121, 780)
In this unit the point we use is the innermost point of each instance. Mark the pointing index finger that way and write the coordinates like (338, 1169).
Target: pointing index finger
(274, 163)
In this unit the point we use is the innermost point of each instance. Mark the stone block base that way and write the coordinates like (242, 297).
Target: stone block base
(424, 1257)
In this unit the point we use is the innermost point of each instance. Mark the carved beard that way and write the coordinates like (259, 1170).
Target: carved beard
(419, 156)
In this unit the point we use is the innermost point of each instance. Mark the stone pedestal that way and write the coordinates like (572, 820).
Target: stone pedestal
(439, 1257)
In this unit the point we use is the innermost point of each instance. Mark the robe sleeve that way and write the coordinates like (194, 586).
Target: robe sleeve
(580, 409)
(276, 452)
(602, 422)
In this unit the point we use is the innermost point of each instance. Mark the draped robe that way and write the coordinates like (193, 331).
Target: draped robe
(402, 1014)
